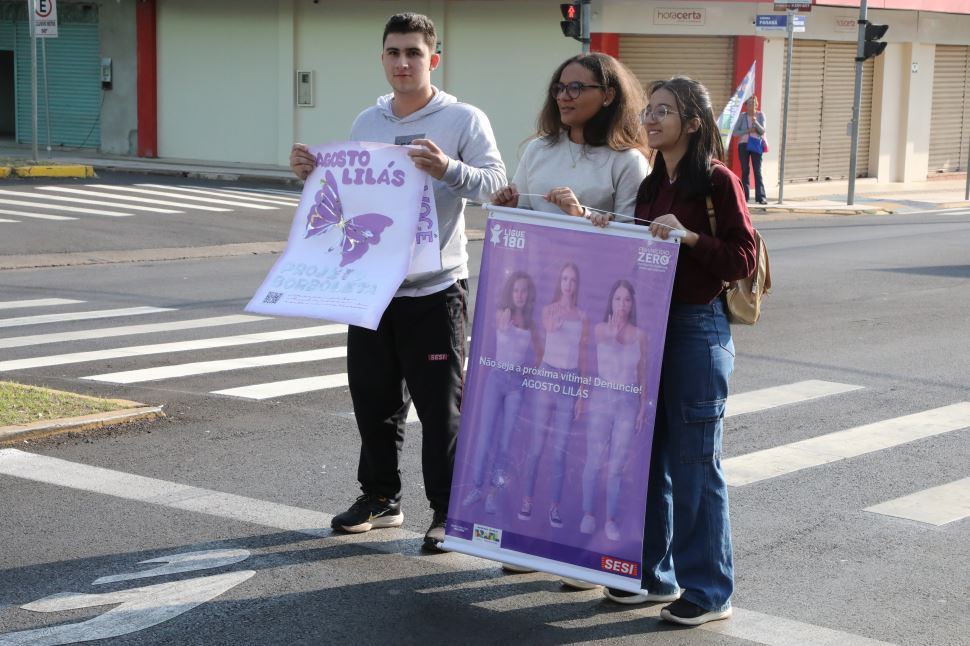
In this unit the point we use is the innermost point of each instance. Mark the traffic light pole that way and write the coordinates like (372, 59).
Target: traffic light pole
(587, 10)
(857, 101)
(784, 114)
(33, 74)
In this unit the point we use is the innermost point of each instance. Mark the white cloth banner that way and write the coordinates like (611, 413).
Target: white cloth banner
(363, 211)
(732, 111)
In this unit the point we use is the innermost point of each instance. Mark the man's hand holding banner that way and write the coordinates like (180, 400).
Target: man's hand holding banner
(366, 220)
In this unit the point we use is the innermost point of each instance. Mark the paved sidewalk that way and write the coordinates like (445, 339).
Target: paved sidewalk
(945, 191)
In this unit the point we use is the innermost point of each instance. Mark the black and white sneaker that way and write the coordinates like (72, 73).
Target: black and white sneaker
(634, 598)
(435, 536)
(369, 512)
(688, 614)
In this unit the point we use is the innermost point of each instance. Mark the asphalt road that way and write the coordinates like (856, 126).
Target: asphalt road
(878, 303)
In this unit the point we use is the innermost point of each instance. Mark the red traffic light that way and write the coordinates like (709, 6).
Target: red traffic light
(569, 11)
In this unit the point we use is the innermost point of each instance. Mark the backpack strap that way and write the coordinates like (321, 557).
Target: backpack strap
(710, 214)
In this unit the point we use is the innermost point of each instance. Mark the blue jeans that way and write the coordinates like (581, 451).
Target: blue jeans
(755, 164)
(687, 534)
(562, 408)
(608, 440)
(500, 410)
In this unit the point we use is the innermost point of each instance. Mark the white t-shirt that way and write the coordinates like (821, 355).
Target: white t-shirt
(600, 177)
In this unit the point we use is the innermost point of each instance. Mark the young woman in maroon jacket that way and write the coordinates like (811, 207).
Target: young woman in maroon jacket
(687, 556)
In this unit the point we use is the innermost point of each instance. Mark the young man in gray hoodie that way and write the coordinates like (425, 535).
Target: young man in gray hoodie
(418, 350)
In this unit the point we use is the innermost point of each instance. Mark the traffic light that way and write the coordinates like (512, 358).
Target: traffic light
(872, 46)
(571, 24)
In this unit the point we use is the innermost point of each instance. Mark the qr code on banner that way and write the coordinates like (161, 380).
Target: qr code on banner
(273, 297)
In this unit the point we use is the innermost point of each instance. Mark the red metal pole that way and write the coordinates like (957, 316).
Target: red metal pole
(147, 79)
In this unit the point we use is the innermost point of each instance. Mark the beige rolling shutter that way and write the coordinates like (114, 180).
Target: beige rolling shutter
(823, 83)
(804, 142)
(950, 115)
(837, 95)
(708, 59)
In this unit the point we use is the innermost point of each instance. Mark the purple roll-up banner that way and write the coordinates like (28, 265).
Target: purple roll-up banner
(559, 404)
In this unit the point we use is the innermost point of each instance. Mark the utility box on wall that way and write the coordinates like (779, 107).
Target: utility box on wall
(304, 89)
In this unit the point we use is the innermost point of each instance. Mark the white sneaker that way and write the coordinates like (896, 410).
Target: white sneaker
(632, 598)
(578, 584)
(588, 525)
(473, 496)
(612, 531)
(516, 569)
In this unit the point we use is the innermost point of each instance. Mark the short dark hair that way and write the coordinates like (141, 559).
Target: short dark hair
(411, 23)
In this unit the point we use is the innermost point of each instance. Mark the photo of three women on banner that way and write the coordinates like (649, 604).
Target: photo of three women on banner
(592, 412)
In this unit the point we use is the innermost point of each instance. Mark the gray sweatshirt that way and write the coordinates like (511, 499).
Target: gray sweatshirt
(475, 171)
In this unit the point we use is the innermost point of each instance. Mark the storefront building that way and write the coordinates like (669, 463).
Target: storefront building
(238, 81)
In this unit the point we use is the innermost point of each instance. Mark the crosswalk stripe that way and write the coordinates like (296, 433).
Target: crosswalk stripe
(78, 200)
(80, 316)
(840, 445)
(745, 624)
(129, 198)
(37, 302)
(127, 330)
(250, 197)
(223, 365)
(38, 216)
(287, 387)
(142, 191)
(935, 506)
(74, 209)
(178, 346)
(759, 400)
(273, 191)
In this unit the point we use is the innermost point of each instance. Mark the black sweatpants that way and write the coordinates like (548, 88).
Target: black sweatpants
(417, 353)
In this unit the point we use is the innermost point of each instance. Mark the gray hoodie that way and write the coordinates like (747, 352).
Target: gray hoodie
(475, 171)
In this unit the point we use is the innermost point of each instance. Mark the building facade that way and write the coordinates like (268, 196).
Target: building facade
(220, 80)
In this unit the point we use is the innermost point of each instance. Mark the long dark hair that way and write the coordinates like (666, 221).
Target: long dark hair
(508, 303)
(616, 125)
(625, 284)
(703, 146)
(558, 293)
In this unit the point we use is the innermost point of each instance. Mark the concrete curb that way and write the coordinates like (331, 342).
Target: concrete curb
(820, 210)
(67, 170)
(954, 205)
(20, 432)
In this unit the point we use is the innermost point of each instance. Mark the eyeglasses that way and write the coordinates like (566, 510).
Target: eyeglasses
(572, 90)
(656, 114)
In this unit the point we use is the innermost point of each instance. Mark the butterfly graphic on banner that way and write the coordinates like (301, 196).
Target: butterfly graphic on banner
(358, 233)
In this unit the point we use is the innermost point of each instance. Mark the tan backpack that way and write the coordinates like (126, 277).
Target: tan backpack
(743, 297)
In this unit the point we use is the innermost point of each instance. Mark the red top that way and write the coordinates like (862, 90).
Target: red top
(730, 256)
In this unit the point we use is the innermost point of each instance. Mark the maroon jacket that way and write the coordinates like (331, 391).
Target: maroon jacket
(729, 256)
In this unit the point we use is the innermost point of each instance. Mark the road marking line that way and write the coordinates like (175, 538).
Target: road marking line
(78, 200)
(745, 624)
(935, 506)
(39, 216)
(840, 445)
(129, 198)
(178, 346)
(287, 387)
(74, 209)
(223, 365)
(37, 302)
(10, 221)
(126, 330)
(759, 400)
(81, 316)
(250, 197)
(272, 191)
(142, 191)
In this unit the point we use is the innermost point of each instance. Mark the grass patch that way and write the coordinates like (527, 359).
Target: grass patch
(22, 404)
